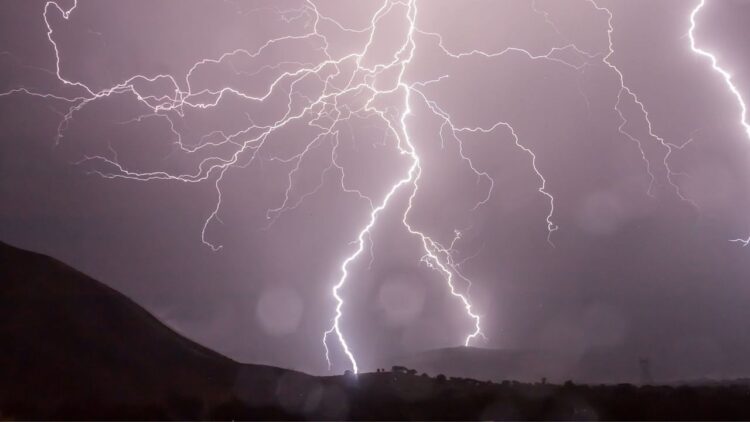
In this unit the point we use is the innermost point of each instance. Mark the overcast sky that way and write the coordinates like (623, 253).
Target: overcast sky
(636, 270)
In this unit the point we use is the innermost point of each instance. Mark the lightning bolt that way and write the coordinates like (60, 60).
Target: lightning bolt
(406, 147)
(349, 88)
(743, 119)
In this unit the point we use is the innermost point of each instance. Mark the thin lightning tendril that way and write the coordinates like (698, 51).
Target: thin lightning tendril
(626, 91)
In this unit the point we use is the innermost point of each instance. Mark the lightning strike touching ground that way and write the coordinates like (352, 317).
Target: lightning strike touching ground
(349, 87)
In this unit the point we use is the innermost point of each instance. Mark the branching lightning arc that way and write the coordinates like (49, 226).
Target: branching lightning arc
(351, 87)
(743, 119)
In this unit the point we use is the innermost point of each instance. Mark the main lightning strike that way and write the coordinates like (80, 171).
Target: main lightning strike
(405, 147)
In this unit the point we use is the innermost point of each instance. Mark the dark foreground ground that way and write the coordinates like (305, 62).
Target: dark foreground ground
(387, 396)
(71, 348)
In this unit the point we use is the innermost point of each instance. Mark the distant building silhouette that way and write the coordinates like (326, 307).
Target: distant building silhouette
(645, 367)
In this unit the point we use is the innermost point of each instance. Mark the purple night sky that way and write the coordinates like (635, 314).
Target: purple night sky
(229, 216)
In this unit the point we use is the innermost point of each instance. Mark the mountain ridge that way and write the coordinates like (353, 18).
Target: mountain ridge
(525, 365)
(74, 349)
(68, 338)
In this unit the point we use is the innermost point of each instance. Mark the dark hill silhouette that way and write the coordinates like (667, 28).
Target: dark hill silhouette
(68, 339)
(72, 348)
(595, 366)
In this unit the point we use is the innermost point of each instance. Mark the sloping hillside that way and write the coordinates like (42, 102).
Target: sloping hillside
(69, 340)
(74, 349)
